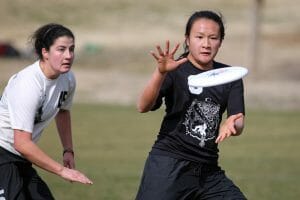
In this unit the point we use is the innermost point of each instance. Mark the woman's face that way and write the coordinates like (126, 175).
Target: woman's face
(60, 56)
(203, 42)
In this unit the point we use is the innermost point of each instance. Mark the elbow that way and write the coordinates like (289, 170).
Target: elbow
(18, 147)
(141, 109)
(239, 125)
(22, 141)
(238, 133)
(239, 130)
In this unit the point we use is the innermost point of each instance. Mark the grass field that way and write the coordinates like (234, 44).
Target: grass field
(112, 142)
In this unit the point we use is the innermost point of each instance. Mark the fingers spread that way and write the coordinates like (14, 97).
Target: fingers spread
(159, 50)
(183, 60)
(154, 55)
(175, 49)
(167, 47)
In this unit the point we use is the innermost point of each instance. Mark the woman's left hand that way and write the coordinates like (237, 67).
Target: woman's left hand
(232, 126)
(69, 160)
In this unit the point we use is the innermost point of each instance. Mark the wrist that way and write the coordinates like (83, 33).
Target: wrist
(161, 72)
(68, 150)
(60, 170)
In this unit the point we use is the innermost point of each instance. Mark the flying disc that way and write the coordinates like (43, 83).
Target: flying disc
(215, 77)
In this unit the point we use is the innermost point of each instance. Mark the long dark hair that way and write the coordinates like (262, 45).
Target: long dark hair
(206, 14)
(45, 36)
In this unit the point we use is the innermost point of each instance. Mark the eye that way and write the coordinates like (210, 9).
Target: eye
(214, 37)
(71, 49)
(61, 49)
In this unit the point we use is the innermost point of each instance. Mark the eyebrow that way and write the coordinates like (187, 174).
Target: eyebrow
(66, 46)
(213, 34)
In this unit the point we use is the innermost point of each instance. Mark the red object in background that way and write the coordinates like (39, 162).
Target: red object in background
(7, 50)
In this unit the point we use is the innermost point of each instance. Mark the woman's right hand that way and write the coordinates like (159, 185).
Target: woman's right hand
(165, 59)
(74, 176)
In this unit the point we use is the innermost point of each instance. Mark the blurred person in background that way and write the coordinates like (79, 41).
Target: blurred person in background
(183, 162)
(31, 99)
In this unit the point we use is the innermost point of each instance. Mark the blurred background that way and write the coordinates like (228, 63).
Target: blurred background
(113, 41)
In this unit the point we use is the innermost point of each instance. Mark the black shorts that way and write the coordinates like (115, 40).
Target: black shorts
(19, 180)
(167, 178)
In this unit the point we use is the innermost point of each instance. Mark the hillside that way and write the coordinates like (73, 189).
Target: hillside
(114, 38)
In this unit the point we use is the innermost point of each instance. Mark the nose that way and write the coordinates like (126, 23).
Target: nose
(205, 42)
(69, 54)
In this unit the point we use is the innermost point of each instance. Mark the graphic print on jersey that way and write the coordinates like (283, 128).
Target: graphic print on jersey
(2, 193)
(201, 120)
(62, 97)
(39, 112)
(38, 115)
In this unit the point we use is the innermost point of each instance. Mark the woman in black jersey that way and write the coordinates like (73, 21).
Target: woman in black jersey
(183, 162)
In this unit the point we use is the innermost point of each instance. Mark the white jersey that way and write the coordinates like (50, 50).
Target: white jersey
(30, 101)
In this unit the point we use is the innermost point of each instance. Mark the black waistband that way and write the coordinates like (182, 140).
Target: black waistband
(195, 168)
(157, 151)
(7, 157)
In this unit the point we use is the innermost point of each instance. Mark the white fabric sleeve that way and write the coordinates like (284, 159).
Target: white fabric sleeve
(23, 99)
(72, 85)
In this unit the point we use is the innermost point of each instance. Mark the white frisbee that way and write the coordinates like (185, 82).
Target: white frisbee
(215, 77)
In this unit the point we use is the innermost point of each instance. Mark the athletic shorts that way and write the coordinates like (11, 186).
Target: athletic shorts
(19, 180)
(167, 178)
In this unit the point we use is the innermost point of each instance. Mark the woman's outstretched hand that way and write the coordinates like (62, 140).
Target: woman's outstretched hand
(74, 176)
(165, 58)
(231, 127)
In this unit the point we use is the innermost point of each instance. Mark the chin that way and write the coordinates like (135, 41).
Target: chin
(65, 70)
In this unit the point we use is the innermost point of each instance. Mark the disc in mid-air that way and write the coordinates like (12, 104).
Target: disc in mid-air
(215, 77)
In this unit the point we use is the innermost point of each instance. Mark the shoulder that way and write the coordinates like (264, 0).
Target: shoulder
(69, 77)
(184, 68)
(29, 71)
(30, 75)
(220, 65)
(238, 82)
(26, 84)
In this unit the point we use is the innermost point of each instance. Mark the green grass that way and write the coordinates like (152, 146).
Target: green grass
(112, 142)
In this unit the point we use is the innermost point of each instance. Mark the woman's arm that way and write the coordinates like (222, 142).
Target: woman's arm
(233, 126)
(165, 63)
(150, 93)
(63, 124)
(24, 145)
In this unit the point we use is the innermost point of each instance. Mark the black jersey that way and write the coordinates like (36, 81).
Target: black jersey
(191, 123)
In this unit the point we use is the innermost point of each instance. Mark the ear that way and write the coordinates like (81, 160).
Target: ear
(220, 43)
(45, 54)
(187, 41)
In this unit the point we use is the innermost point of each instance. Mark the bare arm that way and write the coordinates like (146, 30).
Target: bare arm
(233, 126)
(63, 124)
(23, 143)
(150, 92)
(165, 63)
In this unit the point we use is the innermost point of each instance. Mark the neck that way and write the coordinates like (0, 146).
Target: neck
(47, 71)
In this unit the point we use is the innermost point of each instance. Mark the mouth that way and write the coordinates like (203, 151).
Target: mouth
(205, 53)
(67, 65)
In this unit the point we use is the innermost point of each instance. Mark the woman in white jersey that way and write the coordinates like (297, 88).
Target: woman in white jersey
(32, 98)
